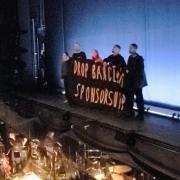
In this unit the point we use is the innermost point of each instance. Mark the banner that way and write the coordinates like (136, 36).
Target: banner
(97, 84)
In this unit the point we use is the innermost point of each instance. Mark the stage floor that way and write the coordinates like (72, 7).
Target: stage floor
(155, 127)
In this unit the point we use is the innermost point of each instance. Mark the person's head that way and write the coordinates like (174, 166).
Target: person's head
(133, 48)
(116, 49)
(66, 56)
(95, 53)
(77, 47)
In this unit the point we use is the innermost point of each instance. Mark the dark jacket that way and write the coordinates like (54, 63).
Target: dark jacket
(116, 61)
(136, 71)
(65, 68)
(80, 55)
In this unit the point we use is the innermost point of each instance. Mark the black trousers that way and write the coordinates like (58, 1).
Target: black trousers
(66, 87)
(139, 101)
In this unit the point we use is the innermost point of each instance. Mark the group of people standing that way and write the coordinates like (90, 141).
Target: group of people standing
(135, 68)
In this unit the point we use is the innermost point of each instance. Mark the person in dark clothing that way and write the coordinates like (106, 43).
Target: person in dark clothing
(78, 53)
(116, 59)
(137, 80)
(64, 74)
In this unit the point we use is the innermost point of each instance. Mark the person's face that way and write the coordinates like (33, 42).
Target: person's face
(77, 47)
(65, 57)
(116, 50)
(132, 50)
(94, 53)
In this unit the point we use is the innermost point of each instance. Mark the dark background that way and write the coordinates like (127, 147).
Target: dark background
(153, 24)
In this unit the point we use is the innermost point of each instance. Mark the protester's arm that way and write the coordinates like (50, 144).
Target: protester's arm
(140, 67)
(84, 56)
(123, 63)
(140, 72)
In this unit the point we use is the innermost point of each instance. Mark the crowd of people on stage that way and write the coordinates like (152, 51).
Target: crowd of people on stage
(135, 67)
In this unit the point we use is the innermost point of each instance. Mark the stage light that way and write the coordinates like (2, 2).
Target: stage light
(160, 114)
(179, 116)
(63, 92)
(148, 109)
(174, 115)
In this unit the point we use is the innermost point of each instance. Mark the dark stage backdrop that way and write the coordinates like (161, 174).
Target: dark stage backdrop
(153, 24)
(54, 42)
(26, 38)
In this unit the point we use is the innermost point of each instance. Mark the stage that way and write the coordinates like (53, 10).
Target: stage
(152, 144)
(155, 127)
